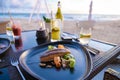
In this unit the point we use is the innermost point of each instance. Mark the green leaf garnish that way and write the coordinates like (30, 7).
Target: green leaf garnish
(47, 20)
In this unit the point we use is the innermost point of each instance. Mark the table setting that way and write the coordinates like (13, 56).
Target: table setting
(23, 51)
(79, 58)
(27, 51)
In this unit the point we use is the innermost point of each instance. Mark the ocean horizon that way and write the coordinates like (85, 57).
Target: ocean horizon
(96, 17)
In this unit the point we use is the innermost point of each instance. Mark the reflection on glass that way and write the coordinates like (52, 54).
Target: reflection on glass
(18, 43)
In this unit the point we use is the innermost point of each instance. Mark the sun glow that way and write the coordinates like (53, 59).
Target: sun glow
(99, 6)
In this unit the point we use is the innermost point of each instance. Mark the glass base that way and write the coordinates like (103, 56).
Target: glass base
(52, 40)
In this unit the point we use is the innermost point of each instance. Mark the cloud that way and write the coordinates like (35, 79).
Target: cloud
(17, 3)
(68, 6)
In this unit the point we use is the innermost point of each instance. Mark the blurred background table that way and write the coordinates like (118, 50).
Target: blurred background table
(108, 53)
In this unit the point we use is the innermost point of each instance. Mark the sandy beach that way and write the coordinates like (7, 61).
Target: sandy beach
(108, 31)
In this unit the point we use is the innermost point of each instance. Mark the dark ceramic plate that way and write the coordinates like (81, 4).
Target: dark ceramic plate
(4, 45)
(30, 60)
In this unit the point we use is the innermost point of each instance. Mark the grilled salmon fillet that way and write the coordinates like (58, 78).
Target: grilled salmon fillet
(49, 55)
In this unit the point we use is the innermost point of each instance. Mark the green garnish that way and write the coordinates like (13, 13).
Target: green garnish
(72, 63)
(47, 20)
(81, 35)
(50, 47)
(71, 59)
(68, 56)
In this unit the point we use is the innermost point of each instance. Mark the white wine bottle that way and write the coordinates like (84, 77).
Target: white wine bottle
(59, 13)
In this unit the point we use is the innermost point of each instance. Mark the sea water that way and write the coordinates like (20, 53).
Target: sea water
(96, 17)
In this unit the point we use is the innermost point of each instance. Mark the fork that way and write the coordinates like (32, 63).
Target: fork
(14, 62)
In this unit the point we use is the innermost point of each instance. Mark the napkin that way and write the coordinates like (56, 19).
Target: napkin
(68, 36)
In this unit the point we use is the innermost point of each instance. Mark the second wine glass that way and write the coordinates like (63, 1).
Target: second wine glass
(85, 35)
(85, 32)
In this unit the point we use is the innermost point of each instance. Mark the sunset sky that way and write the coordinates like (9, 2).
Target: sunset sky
(68, 6)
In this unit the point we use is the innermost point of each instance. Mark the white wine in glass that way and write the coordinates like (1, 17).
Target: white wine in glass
(85, 35)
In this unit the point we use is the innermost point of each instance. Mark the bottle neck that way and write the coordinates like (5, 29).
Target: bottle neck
(58, 13)
(59, 4)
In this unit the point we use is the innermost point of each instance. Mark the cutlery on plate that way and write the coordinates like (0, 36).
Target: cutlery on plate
(14, 62)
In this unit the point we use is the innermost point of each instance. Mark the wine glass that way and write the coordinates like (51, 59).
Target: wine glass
(85, 31)
(85, 35)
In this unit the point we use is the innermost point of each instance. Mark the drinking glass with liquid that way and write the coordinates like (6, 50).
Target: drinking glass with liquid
(85, 35)
(85, 31)
(56, 28)
(9, 31)
(42, 34)
(16, 27)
